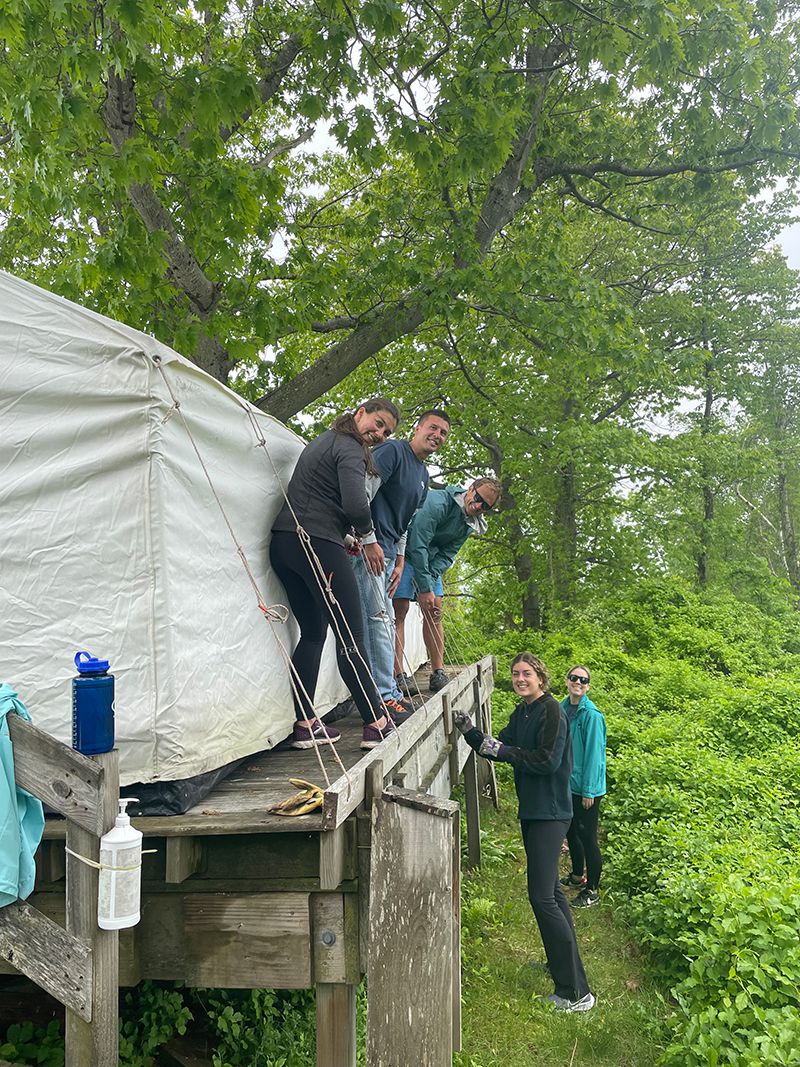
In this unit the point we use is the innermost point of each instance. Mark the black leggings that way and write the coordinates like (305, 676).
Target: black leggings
(542, 839)
(582, 841)
(314, 614)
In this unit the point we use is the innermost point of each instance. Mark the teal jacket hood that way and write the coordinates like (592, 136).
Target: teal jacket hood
(588, 730)
(21, 814)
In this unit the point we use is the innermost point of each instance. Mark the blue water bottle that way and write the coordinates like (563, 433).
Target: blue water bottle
(92, 705)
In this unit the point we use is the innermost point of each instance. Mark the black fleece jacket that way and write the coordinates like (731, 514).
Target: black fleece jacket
(537, 744)
(328, 489)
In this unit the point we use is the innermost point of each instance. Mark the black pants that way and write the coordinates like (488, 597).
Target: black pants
(582, 841)
(315, 613)
(542, 840)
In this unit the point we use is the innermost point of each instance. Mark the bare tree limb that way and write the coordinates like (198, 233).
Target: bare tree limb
(119, 114)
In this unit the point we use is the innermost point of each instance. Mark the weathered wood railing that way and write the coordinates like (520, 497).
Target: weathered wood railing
(78, 966)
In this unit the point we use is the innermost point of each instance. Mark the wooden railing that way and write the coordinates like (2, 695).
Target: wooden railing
(79, 965)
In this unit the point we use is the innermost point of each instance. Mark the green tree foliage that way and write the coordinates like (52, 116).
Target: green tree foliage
(158, 157)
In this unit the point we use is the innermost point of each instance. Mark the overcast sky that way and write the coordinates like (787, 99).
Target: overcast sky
(790, 243)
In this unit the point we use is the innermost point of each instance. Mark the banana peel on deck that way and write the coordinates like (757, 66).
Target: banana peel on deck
(310, 798)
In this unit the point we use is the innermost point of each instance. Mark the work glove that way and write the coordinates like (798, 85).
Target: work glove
(490, 747)
(463, 723)
(484, 744)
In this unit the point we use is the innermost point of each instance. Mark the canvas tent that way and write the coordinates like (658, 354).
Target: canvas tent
(112, 541)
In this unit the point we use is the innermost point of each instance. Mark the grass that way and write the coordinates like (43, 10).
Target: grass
(504, 1018)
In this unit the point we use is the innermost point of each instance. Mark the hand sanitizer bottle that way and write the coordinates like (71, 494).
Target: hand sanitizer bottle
(120, 886)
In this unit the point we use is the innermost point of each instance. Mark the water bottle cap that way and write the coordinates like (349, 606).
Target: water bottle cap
(90, 665)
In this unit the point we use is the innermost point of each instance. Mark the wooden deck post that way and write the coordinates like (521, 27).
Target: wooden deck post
(79, 966)
(472, 806)
(336, 1025)
(95, 1043)
(487, 781)
(410, 1017)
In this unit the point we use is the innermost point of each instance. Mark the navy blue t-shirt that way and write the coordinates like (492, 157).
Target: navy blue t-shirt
(404, 483)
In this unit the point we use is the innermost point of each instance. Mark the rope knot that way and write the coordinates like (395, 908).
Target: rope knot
(274, 612)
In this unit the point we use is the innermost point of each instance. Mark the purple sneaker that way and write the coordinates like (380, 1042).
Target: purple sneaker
(307, 736)
(372, 736)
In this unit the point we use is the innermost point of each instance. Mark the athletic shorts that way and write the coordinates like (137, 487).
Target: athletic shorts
(407, 590)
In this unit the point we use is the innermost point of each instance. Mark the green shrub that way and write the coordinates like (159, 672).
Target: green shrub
(260, 1027)
(26, 1043)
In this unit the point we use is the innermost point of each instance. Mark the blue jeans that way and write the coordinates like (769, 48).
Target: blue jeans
(379, 624)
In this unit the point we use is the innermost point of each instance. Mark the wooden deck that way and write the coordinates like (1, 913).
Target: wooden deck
(234, 896)
(241, 803)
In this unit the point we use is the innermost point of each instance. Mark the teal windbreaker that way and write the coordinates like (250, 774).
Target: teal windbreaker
(21, 815)
(588, 730)
(435, 535)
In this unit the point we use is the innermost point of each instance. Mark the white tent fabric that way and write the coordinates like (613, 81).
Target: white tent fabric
(111, 541)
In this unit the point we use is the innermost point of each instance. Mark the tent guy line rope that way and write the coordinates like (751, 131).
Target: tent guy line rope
(269, 613)
(384, 618)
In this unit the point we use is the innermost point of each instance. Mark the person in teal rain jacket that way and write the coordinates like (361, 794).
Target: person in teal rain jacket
(437, 531)
(21, 815)
(588, 784)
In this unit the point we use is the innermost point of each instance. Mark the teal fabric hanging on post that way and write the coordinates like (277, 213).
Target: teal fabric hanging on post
(21, 814)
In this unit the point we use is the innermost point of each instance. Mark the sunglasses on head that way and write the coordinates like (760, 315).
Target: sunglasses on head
(485, 505)
(579, 678)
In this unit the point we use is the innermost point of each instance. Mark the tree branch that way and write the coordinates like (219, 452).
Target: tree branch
(600, 205)
(506, 195)
(119, 115)
(273, 70)
(343, 357)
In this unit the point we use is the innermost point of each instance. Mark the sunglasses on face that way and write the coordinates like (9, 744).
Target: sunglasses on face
(579, 678)
(484, 504)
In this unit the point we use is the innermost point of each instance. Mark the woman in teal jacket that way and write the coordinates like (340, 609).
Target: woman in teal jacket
(588, 784)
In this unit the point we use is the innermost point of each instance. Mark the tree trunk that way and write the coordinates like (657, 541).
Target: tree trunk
(785, 520)
(564, 554)
(701, 556)
(521, 555)
(530, 605)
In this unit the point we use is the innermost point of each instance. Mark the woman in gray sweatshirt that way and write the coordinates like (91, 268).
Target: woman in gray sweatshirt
(327, 499)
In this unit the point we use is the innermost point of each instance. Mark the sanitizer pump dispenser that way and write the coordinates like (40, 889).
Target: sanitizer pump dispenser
(120, 885)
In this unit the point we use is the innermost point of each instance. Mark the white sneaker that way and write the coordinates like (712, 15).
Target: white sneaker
(562, 1004)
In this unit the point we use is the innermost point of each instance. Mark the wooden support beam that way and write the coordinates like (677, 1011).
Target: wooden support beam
(472, 808)
(67, 781)
(227, 939)
(373, 783)
(453, 735)
(337, 855)
(183, 859)
(44, 952)
(487, 779)
(410, 1021)
(336, 1025)
(445, 757)
(456, 927)
(96, 1042)
(334, 936)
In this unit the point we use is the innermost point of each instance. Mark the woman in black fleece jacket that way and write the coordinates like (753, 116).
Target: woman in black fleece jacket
(328, 498)
(536, 743)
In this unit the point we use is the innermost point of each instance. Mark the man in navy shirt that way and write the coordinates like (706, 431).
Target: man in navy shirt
(397, 492)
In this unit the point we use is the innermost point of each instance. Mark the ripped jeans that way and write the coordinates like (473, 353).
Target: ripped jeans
(378, 624)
